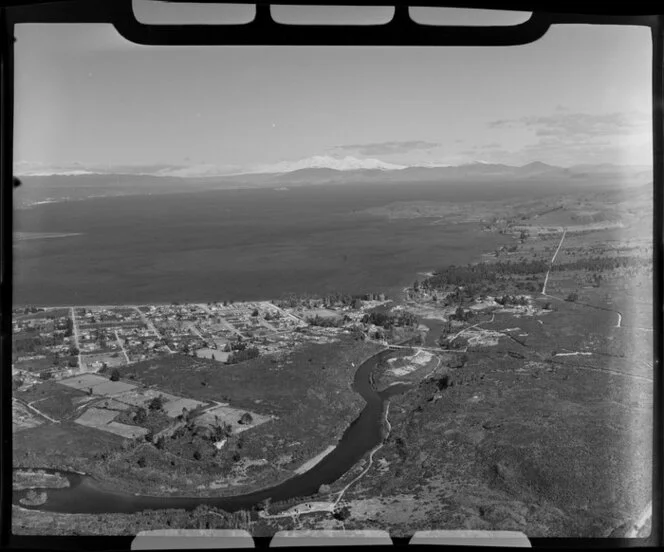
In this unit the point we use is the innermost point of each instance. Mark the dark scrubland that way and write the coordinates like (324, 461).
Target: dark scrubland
(524, 444)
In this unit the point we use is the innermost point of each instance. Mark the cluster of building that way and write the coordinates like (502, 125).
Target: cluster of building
(93, 339)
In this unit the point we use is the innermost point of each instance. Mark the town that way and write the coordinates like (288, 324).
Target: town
(60, 342)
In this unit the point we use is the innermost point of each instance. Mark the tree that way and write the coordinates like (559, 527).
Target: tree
(459, 314)
(197, 454)
(73, 351)
(246, 418)
(242, 355)
(572, 297)
(141, 462)
(342, 513)
(255, 312)
(157, 403)
(141, 415)
(356, 333)
(45, 375)
(115, 374)
(264, 504)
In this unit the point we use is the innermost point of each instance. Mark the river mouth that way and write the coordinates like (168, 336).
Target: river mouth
(85, 495)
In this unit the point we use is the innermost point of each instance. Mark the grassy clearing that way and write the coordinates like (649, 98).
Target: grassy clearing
(65, 445)
(37, 364)
(55, 400)
(33, 522)
(24, 418)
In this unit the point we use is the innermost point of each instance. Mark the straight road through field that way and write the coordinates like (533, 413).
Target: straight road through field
(36, 411)
(553, 259)
(124, 352)
(76, 342)
(546, 280)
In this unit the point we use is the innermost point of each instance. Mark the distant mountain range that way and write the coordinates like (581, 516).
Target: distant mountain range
(79, 183)
(327, 168)
(471, 171)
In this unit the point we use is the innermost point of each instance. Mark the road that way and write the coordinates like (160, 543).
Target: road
(546, 280)
(287, 314)
(553, 259)
(151, 327)
(124, 352)
(76, 341)
(493, 317)
(224, 322)
(39, 412)
(192, 327)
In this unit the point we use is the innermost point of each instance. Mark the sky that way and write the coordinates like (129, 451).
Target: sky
(85, 97)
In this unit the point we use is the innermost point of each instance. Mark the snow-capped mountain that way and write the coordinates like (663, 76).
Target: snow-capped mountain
(347, 163)
(197, 171)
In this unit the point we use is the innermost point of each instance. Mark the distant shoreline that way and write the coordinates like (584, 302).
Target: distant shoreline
(26, 236)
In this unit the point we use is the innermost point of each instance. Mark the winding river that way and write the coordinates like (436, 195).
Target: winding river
(84, 495)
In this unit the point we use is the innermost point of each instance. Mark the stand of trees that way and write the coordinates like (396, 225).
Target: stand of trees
(487, 273)
(336, 299)
(506, 300)
(241, 356)
(388, 321)
(325, 321)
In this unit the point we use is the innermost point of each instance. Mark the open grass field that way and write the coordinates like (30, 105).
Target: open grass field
(124, 430)
(61, 445)
(23, 418)
(108, 358)
(99, 384)
(212, 354)
(173, 408)
(47, 313)
(231, 416)
(36, 365)
(140, 397)
(55, 400)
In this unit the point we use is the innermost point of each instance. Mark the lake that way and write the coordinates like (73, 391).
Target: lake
(235, 244)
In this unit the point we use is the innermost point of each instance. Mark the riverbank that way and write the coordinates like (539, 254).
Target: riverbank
(315, 460)
(38, 479)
